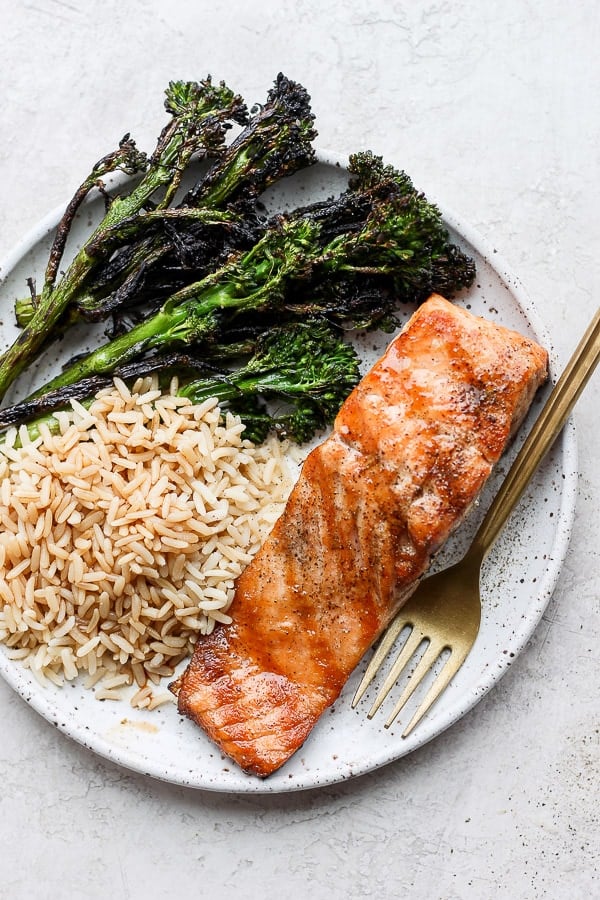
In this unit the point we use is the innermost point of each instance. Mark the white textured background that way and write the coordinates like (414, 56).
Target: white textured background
(493, 108)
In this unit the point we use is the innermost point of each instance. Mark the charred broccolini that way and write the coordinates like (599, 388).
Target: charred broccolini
(294, 383)
(192, 283)
(200, 115)
(165, 248)
(381, 228)
(217, 215)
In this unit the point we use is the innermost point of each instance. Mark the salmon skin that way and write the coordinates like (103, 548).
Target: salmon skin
(410, 450)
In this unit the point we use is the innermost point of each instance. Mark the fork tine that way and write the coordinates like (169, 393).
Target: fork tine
(412, 642)
(423, 666)
(383, 648)
(449, 670)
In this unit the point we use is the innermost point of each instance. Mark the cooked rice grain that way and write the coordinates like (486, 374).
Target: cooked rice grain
(121, 537)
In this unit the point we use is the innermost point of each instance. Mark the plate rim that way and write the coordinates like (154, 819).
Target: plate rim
(454, 711)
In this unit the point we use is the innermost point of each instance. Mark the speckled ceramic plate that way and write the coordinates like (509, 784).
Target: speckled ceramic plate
(517, 580)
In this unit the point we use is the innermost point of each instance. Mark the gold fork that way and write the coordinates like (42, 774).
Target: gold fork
(445, 610)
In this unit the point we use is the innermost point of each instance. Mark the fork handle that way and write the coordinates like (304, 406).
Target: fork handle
(549, 423)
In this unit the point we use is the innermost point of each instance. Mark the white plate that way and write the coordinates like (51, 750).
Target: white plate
(517, 582)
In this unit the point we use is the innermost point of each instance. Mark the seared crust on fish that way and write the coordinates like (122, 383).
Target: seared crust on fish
(411, 449)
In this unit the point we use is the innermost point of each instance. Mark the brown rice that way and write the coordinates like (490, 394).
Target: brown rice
(121, 537)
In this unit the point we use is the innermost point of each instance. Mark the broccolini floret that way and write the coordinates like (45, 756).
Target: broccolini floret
(305, 365)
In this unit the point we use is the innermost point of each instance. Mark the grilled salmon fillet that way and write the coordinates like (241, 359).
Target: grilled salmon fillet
(410, 450)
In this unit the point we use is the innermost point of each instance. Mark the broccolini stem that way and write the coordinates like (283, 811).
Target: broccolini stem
(185, 321)
(253, 281)
(160, 329)
(135, 225)
(127, 158)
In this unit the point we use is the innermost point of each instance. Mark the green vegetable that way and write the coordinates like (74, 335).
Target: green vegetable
(381, 228)
(196, 280)
(304, 364)
(295, 383)
(275, 143)
(200, 114)
(168, 247)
